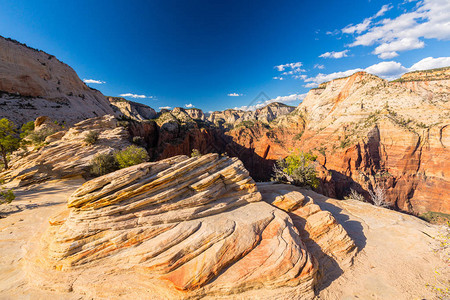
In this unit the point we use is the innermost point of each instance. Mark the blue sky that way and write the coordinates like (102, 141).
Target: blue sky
(221, 54)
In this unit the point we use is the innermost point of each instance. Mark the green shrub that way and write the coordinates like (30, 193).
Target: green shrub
(298, 169)
(195, 153)
(103, 164)
(38, 137)
(6, 196)
(131, 156)
(91, 137)
(354, 195)
(26, 129)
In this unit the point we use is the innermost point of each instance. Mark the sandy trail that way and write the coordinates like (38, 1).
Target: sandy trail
(396, 258)
(26, 219)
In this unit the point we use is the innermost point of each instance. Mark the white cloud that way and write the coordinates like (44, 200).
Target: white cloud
(358, 28)
(389, 50)
(387, 69)
(165, 107)
(234, 95)
(361, 27)
(333, 54)
(283, 99)
(431, 63)
(430, 19)
(296, 65)
(383, 9)
(134, 96)
(190, 105)
(94, 81)
(317, 66)
(278, 78)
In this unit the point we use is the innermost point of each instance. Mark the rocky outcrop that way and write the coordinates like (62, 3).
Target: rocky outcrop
(266, 114)
(196, 114)
(34, 83)
(324, 237)
(185, 227)
(66, 154)
(132, 110)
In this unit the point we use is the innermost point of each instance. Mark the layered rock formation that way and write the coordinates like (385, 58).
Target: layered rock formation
(185, 227)
(265, 114)
(34, 83)
(66, 153)
(324, 237)
(132, 110)
(369, 133)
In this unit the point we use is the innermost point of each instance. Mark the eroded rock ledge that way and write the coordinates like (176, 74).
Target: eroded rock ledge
(187, 227)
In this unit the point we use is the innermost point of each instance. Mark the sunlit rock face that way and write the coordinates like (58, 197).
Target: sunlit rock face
(65, 153)
(189, 226)
(34, 83)
(368, 133)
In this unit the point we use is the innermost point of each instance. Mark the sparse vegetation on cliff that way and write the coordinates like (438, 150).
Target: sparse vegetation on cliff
(8, 140)
(91, 137)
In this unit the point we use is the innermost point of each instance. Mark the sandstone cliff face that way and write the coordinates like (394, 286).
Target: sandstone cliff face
(185, 227)
(66, 154)
(34, 83)
(133, 110)
(265, 114)
(370, 133)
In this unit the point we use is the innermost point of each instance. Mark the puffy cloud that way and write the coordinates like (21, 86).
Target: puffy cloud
(190, 105)
(429, 20)
(387, 69)
(234, 95)
(94, 81)
(317, 66)
(278, 78)
(296, 65)
(134, 96)
(165, 107)
(361, 27)
(431, 63)
(283, 99)
(333, 54)
(389, 50)
(358, 28)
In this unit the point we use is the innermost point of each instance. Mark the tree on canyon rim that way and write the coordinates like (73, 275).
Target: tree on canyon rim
(8, 140)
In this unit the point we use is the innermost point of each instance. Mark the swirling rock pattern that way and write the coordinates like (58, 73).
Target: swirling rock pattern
(195, 226)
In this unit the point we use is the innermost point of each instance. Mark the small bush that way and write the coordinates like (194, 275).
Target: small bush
(91, 137)
(38, 137)
(378, 197)
(298, 169)
(26, 129)
(355, 196)
(131, 156)
(6, 196)
(103, 164)
(195, 153)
